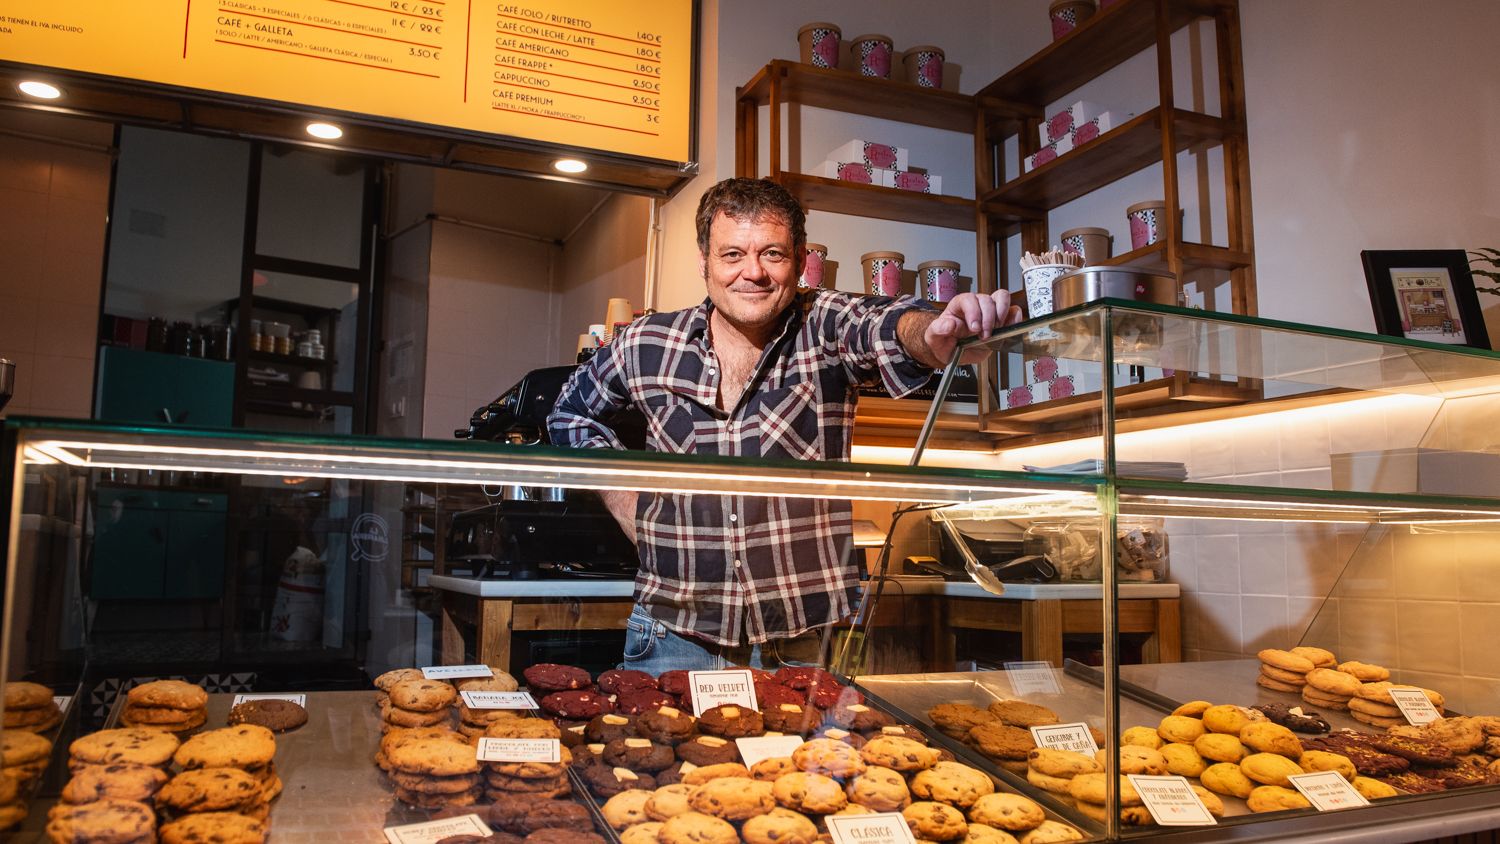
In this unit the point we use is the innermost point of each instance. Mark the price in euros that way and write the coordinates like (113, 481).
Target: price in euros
(648, 52)
(422, 53)
(647, 68)
(639, 99)
(646, 84)
(416, 8)
(419, 26)
(653, 118)
(648, 36)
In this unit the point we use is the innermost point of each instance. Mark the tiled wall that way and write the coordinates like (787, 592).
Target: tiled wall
(54, 200)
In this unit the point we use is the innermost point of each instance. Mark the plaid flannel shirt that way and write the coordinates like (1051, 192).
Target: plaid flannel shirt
(729, 568)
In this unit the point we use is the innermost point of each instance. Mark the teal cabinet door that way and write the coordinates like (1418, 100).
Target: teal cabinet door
(140, 386)
(195, 547)
(130, 546)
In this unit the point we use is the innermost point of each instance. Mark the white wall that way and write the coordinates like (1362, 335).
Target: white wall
(603, 260)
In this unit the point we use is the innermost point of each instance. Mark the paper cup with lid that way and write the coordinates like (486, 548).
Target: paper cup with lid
(937, 281)
(812, 268)
(1148, 222)
(872, 55)
(819, 44)
(883, 272)
(1090, 242)
(1068, 14)
(924, 66)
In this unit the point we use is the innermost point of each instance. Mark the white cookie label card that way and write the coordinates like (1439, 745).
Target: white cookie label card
(755, 749)
(430, 832)
(1414, 704)
(498, 700)
(1171, 801)
(1074, 737)
(1032, 677)
(885, 828)
(300, 700)
(454, 672)
(519, 750)
(62, 701)
(1327, 791)
(715, 688)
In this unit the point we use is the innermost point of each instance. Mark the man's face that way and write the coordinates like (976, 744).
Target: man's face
(751, 270)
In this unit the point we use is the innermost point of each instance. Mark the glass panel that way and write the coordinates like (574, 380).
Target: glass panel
(311, 206)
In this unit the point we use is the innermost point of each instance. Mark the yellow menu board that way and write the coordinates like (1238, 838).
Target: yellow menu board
(600, 75)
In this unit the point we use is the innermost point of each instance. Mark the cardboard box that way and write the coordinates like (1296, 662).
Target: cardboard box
(1088, 131)
(883, 156)
(1048, 153)
(1041, 391)
(921, 182)
(1058, 125)
(854, 171)
(1084, 133)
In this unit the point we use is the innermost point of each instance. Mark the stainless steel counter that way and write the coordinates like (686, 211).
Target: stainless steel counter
(565, 589)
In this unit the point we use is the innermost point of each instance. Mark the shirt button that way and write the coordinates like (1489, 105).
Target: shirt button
(712, 371)
(736, 563)
(733, 517)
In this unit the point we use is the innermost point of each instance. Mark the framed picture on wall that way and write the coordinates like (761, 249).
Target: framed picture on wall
(1425, 294)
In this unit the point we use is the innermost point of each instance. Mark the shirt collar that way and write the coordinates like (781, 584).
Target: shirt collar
(790, 318)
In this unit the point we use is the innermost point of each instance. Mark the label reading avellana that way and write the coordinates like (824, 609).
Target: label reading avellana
(300, 700)
(1074, 737)
(498, 700)
(1414, 704)
(1032, 677)
(755, 749)
(884, 828)
(454, 672)
(429, 832)
(1327, 790)
(715, 688)
(1171, 801)
(519, 750)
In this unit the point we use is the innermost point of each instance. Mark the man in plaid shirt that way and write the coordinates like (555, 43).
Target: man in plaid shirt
(761, 370)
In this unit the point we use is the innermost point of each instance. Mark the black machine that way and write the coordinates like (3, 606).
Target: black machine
(529, 533)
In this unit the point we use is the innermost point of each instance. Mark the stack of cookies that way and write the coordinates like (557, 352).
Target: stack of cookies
(243, 755)
(1372, 703)
(472, 722)
(29, 707)
(1054, 770)
(171, 705)
(1283, 671)
(419, 702)
(1329, 688)
(23, 756)
(536, 781)
(12, 802)
(433, 772)
(116, 776)
(391, 678)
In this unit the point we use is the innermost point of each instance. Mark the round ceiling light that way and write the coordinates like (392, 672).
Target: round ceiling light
(40, 90)
(569, 165)
(326, 131)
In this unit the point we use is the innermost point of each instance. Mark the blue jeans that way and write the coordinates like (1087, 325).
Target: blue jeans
(651, 647)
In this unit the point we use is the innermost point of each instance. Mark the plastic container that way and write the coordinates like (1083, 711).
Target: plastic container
(872, 55)
(937, 281)
(883, 272)
(924, 66)
(1068, 14)
(1091, 243)
(1148, 222)
(812, 268)
(1141, 549)
(819, 44)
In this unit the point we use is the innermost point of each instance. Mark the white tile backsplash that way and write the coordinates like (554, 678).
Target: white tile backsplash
(1367, 630)
(1263, 623)
(1426, 636)
(1479, 639)
(1263, 564)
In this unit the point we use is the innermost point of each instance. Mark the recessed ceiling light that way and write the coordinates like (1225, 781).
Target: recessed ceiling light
(326, 131)
(40, 90)
(569, 165)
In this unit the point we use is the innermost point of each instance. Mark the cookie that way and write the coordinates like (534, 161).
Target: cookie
(1332, 683)
(1051, 832)
(898, 754)
(935, 821)
(1011, 812)
(1372, 707)
(735, 798)
(900, 731)
(1047, 782)
(1376, 720)
(433, 757)
(1226, 778)
(829, 731)
(107, 821)
(276, 715)
(1019, 713)
(779, 826)
(697, 828)
(667, 725)
(638, 754)
(879, 790)
(1129, 816)
(981, 834)
(1312, 761)
(1291, 678)
(603, 729)
(1220, 747)
(953, 783)
(39, 720)
(606, 782)
(768, 695)
(1275, 685)
(132, 744)
(675, 683)
(1180, 728)
(1225, 718)
(240, 746)
(1184, 760)
(1372, 789)
(20, 748)
(1285, 660)
(498, 681)
(523, 728)
(1142, 737)
(1319, 657)
(576, 704)
(731, 721)
(174, 694)
(803, 677)
(708, 750)
(668, 801)
(957, 719)
(399, 717)
(422, 695)
(644, 700)
(696, 775)
(1460, 735)
(120, 781)
(809, 793)
(23, 695)
(859, 718)
(396, 675)
(792, 718)
(617, 681)
(1002, 741)
(625, 809)
(1136, 760)
(1381, 692)
(1060, 763)
(210, 790)
(534, 770)
(551, 677)
(1365, 672)
(832, 758)
(1361, 751)
(1269, 768)
(1265, 737)
(1294, 718)
(642, 833)
(767, 770)
(161, 718)
(434, 785)
(1090, 789)
(1276, 798)
(1418, 751)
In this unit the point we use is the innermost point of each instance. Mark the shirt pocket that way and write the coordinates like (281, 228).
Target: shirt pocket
(671, 423)
(789, 423)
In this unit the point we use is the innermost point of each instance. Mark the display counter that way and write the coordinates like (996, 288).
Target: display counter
(1306, 496)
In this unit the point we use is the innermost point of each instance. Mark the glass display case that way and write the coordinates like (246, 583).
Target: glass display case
(1287, 514)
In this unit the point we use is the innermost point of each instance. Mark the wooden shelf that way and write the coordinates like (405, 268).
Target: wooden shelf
(1080, 415)
(291, 360)
(819, 194)
(896, 422)
(841, 90)
(1116, 154)
(1103, 41)
(1195, 256)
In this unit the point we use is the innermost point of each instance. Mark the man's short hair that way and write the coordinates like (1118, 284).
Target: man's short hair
(750, 199)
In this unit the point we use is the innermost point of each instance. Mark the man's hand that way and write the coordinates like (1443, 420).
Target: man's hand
(931, 339)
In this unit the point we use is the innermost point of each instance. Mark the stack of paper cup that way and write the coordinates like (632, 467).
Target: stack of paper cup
(618, 311)
(1038, 281)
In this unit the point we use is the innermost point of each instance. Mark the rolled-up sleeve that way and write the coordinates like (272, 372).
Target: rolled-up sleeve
(595, 391)
(869, 346)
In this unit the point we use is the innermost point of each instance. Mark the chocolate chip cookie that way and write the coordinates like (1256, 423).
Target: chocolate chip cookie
(276, 715)
(666, 725)
(638, 754)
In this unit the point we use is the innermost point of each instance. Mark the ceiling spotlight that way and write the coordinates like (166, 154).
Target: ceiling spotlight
(326, 131)
(569, 165)
(40, 90)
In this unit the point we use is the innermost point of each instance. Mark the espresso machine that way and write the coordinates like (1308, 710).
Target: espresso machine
(528, 532)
